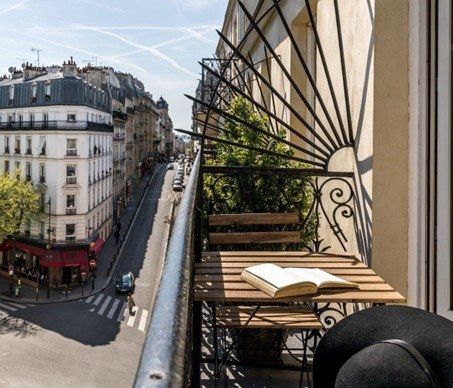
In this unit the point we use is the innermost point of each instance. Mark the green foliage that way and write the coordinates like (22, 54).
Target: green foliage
(249, 192)
(19, 202)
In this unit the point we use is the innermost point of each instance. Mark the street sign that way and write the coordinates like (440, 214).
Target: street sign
(93, 263)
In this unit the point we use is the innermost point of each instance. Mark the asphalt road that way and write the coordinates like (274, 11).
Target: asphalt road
(93, 342)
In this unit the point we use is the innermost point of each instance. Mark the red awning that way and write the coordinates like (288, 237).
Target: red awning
(12, 244)
(4, 246)
(97, 245)
(74, 258)
(54, 258)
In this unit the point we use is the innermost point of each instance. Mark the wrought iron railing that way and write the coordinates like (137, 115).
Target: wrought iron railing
(330, 210)
(324, 200)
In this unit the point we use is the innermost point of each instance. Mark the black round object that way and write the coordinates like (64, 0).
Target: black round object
(351, 354)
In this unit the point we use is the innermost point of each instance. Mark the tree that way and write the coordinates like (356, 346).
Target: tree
(249, 192)
(19, 202)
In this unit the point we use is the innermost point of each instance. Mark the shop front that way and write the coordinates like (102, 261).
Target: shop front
(48, 264)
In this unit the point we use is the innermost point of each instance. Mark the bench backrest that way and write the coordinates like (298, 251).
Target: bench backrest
(254, 237)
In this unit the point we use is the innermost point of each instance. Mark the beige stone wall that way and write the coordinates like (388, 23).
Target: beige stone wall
(390, 150)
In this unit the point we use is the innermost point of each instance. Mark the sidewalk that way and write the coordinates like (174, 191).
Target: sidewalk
(106, 262)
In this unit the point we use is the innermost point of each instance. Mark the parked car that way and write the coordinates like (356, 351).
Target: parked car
(177, 186)
(125, 283)
(177, 181)
(170, 166)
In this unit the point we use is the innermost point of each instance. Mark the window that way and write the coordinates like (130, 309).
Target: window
(32, 120)
(21, 120)
(45, 120)
(70, 204)
(42, 172)
(11, 94)
(71, 147)
(6, 144)
(71, 117)
(42, 145)
(17, 145)
(47, 91)
(17, 169)
(41, 230)
(6, 166)
(70, 232)
(28, 171)
(71, 174)
(28, 145)
(34, 88)
(10, 119)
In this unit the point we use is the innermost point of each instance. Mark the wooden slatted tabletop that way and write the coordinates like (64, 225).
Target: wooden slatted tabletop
(217, 278)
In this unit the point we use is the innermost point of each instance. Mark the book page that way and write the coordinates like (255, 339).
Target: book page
(274, 275)
(320, 278)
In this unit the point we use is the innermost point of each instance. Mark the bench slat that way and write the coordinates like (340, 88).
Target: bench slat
(275, 317)
(253, 219)
(254, 237)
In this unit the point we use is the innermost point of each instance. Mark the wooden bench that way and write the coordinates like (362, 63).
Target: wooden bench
(278, 316)
(254, 237)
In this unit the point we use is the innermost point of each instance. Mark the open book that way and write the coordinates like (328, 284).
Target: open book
(282, 282)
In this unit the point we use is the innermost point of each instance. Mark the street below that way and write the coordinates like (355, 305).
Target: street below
(95, 341)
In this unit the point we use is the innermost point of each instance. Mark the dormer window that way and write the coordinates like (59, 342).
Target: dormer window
(47, 90)
(11, 94)
(34, 90)
(71, 117)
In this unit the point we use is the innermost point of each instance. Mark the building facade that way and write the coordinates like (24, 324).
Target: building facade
(84, 137)
(56, 130)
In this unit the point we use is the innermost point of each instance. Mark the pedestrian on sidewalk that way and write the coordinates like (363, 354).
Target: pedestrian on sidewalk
(130, 303)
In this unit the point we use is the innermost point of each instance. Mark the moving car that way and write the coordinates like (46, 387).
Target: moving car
(125, 283)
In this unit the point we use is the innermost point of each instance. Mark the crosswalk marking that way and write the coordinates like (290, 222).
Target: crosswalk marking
(5, 306)
(143, 318)
(21, 306)
(104, 305)
(113, 309)
(131, 320)
(98, 299)
(116, 309)
(122, 313)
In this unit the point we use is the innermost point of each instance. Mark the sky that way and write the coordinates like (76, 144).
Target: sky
(158, 41)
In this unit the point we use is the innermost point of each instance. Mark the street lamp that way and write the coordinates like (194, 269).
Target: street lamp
(48, 246)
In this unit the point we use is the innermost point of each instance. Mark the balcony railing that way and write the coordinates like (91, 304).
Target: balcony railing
(70, 211)
(167, 353)
(326, 204)
(71, 152)
(56, 125)
(71, 180)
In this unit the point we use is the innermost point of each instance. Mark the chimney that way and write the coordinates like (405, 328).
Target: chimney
(31, 72)
(70, 68)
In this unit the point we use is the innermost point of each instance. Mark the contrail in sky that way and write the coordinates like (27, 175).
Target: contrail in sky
(151, 50)
(13, 7)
